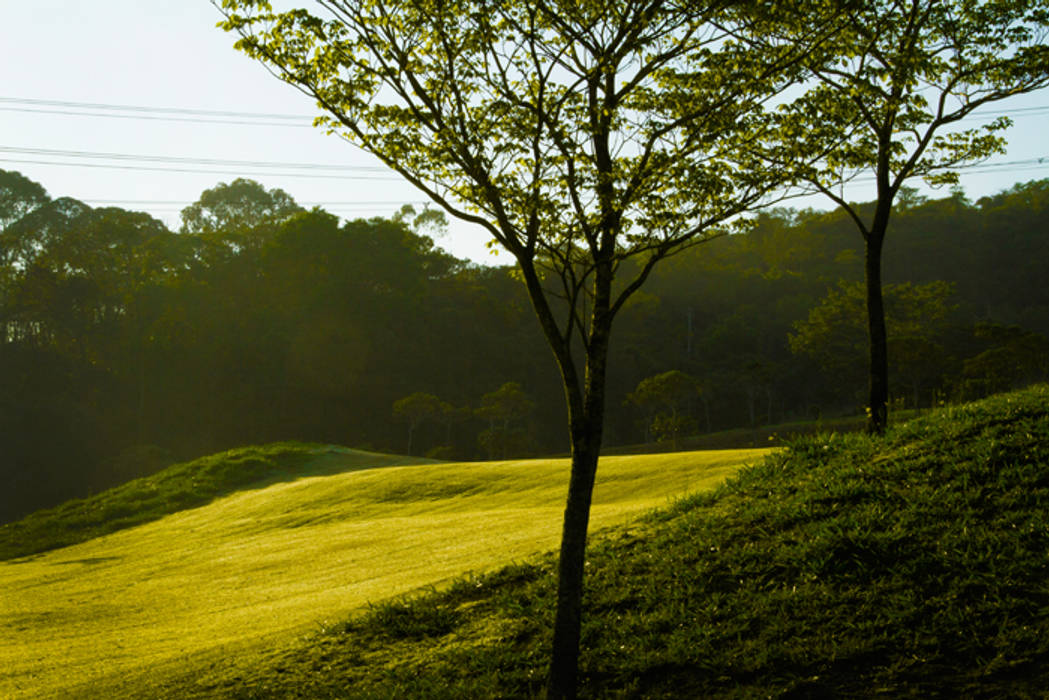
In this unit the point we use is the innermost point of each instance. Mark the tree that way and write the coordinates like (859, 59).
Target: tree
(18, 196)
(666, 398)
(916, 316)
(904, 73)
(237, 207)
(505, 409)
(1015, 358)
(415, 410)
(580, 136)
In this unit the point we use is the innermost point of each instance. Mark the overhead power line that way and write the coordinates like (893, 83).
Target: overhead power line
(239, 173)
(245, 118)
(147, 117)
(93, 155)
(179, 164)
(152, 110)
(177, 202)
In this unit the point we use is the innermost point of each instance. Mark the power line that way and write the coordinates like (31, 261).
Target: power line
(144, 117)
(178, 160)
(155, 110)
(260, 115)
(239, 173)
(177, 202)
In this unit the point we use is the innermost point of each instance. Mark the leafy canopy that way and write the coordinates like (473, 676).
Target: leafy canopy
(571, 131)
(902, 75)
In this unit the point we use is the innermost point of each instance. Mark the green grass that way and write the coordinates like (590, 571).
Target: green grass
(916, 565)
(175, 606)
(179, 487)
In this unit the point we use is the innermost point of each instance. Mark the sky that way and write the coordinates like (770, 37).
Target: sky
(125, 102)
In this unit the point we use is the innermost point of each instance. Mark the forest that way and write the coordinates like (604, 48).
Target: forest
(125, 346)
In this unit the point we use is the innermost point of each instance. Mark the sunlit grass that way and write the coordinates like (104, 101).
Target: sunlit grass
(263, 564)
(847, 566)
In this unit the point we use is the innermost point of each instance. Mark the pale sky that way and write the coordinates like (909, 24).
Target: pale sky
(168, 54)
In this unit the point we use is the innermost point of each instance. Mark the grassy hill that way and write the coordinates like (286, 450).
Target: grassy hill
(179, 487)
(214, 562)
(916, 565)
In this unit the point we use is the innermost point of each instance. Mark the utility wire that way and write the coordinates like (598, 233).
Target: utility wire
(105, 107)
(145, 117)
(156, 110)
(239, 173)
(177, 202)
(50, 152)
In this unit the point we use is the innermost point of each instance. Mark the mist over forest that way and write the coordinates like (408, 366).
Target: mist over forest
(126, 346)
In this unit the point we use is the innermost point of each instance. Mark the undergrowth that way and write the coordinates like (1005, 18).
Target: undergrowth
(916, 564)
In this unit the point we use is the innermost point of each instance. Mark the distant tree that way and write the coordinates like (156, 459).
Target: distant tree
(429, 221)
(666, 399)
(18, 196)
(237, 207)
(506, 409)
(903, 74)
(416, 409)
(917, 314)
(1015, 357)
(578, 135)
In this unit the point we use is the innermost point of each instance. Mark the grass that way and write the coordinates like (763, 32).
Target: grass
(179, 487)
(213, 590)
(915, 565)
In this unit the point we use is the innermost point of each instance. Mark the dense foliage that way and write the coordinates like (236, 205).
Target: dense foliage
(126, 346)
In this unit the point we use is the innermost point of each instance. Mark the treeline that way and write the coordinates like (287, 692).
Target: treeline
(124, 345)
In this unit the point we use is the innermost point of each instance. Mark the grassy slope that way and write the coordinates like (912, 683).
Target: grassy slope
(916, 565)
(179, 487)
(113, 616)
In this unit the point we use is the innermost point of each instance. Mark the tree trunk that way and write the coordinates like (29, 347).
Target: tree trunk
(587, 428)
(878, 396)
(564, 662)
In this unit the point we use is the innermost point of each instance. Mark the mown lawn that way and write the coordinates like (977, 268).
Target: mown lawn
(914, 565)
(195, 590)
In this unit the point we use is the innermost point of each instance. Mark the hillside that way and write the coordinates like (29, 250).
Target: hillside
(311, 536)
(913, 565)
(182, 486)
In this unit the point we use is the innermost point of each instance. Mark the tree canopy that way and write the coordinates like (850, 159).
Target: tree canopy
(900, 77)
(579, 135)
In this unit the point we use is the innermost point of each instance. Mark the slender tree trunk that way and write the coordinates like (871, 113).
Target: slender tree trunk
(878, 395)
(587, 427)
(564, 662)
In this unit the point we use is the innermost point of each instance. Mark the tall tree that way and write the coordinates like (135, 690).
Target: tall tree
(506, 410)
(18, 196)
(904, 73)
(917, 316)
(415, 409)
(237, 207)
(579, 135)
(666, 398)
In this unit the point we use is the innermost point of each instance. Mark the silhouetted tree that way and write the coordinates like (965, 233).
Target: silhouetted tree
(903, 74)
(578, 136)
